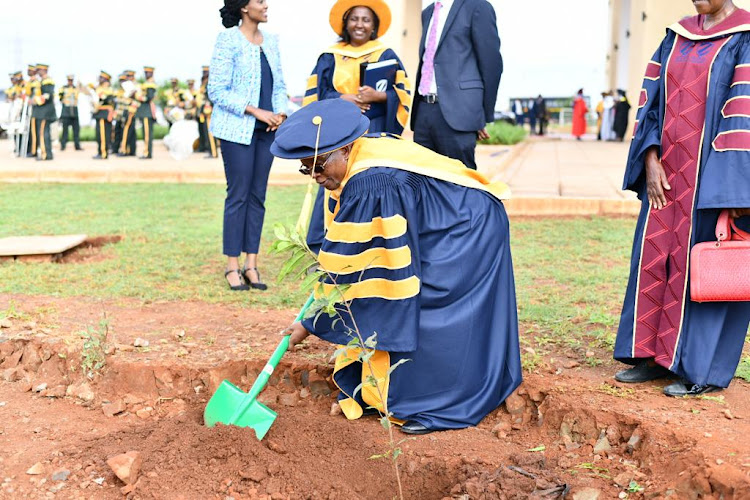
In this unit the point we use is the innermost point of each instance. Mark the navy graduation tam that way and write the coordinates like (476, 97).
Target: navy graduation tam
(341, 123)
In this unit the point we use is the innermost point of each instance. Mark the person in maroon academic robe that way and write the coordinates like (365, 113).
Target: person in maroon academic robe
(689, 160)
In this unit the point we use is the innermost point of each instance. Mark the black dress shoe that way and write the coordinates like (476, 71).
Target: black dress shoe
(642, 372)
(681, 389)
(258, 285)
(414, 427)
(236, 288)
(98, 157)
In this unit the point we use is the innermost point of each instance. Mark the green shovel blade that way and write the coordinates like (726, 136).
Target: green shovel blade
(222, 406)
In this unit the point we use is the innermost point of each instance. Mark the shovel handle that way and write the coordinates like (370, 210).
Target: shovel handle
(267, 371)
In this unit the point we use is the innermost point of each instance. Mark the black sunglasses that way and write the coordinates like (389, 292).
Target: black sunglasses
(319, 168)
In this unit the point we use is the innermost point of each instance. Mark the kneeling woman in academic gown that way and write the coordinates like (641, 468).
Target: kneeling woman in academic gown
(424, 244)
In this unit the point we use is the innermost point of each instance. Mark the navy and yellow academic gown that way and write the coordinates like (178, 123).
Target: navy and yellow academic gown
(424, 243)
(336, 73)
(695, 108)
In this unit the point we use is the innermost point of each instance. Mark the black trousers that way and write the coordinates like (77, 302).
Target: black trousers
(148, 136)
(433, 132)
(44, 139)
(127, 143)
(117, 128)
(542, 125)
(207, 139)
(31, 147)
(70, 121)
(103, 137)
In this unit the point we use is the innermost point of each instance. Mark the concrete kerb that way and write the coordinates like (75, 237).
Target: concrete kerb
(566, 206)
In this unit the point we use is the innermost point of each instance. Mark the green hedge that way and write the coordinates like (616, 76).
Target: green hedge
(504, 133)
(89, 133)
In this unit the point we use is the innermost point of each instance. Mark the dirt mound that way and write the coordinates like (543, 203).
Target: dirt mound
(88, 251)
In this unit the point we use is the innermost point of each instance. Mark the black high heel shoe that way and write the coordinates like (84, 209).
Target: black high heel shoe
(258, 285)
(237, 288)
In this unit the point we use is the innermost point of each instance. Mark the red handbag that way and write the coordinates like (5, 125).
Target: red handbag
(720, 270)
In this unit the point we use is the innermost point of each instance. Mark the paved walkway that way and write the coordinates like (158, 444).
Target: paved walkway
(549, 176)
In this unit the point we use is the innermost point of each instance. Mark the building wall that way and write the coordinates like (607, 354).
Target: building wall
(635, 38)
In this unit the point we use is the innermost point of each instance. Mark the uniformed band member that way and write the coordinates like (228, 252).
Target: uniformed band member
(189, 96)
(44, 111)
(30, 89)
(127, 145)
(172, 99)
(404, 228)
(103, 113)
(206, 140)
(15, 91)
(147, 111)
(68, 97)
(119, 121)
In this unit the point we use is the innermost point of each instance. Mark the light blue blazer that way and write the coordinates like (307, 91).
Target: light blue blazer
(234, 83)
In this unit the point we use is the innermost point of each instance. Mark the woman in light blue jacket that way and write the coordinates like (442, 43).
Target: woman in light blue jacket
(250, 102)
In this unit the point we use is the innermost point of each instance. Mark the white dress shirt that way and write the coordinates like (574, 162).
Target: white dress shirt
(444, 10)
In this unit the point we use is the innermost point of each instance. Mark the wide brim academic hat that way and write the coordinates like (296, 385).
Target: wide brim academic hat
(104, 74)
(341, 123)
(341, 7)
(42, 66)
(148, 68)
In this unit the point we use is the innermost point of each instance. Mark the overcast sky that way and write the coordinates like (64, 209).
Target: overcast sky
(547, 49)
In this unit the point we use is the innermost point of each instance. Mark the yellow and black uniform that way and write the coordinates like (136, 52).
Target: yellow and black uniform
(45, 114)
(206, 140)
(189, 95)
(68, 96)
(172, 99)
(32, 88)
(120, 111)
(103, 114)
(147, 111)
(127, 145)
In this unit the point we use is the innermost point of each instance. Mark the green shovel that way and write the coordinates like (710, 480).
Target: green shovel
(230, 406)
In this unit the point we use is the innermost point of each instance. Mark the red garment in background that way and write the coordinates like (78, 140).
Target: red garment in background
(579, 116)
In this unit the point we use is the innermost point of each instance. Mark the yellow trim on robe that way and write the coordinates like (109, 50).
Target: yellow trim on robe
(378, 288)
(380, 362)
(406, 155)
(346, 70)
(362, 232)
(312, 84)
(347, 50)
(379, 257)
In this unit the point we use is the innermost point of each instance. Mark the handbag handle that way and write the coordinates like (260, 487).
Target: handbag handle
(724, 227)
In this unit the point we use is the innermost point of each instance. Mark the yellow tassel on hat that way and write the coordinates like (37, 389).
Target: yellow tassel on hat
(307, 204)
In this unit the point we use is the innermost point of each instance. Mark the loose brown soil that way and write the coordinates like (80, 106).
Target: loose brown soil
(569, 427)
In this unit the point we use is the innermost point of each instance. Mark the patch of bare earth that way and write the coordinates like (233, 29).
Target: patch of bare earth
(569, 432)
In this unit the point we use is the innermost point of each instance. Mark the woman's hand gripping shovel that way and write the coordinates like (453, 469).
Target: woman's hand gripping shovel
(229, 405)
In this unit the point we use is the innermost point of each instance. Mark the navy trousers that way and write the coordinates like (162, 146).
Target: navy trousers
(246, 168)
(433, 132)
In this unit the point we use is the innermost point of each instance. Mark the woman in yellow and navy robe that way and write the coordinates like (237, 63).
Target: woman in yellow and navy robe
(424, 245)
(359, 23)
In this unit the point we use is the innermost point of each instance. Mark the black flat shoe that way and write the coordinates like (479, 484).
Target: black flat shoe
(642, 372)
(237, 288)
(258, 285)
(414, 427)
(681, 389)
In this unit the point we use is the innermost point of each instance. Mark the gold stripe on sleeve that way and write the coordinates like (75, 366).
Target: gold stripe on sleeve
(380, 257)
(361, 232)
(379, 288)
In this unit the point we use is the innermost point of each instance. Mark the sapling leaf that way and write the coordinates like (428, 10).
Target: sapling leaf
(385, 422)
(310, 281)
(537, 449)
(279, 232)
(357, 389)
(396, 453)
(372, 341)
(372, 381)
(397, 364)
(365, 357)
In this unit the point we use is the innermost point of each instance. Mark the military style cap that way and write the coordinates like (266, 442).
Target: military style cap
(18, 74)
(104, 74)
(191, 80)
(129, 72)
(340, 122)
(122, 77)
(32, 67)
(42, 66)
(70, 77)
(205, 69)
(173, 80)
(148, 68)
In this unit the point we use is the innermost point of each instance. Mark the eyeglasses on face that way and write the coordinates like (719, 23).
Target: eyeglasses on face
(318, 167)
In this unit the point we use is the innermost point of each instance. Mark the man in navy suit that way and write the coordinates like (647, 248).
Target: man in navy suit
(459, 73)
